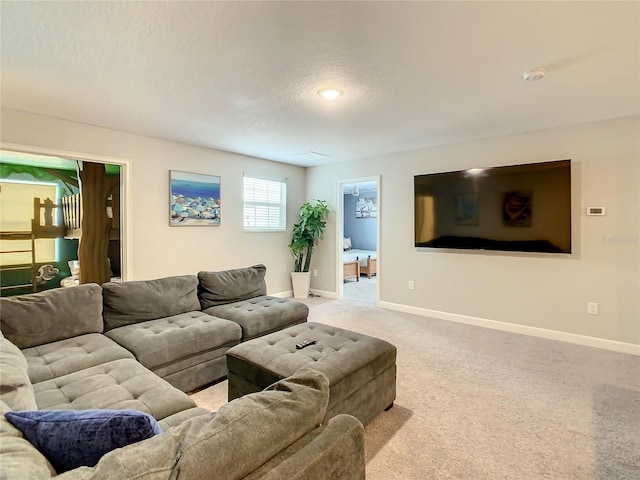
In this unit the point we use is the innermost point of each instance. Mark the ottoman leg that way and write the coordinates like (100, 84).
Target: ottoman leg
(389, 407)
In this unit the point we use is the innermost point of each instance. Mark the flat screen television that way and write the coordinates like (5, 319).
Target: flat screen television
(517, 208)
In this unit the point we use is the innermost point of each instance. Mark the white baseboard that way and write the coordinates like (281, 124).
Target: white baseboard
(320, 293)
(324, 293)
(603, 343)
(285, 294)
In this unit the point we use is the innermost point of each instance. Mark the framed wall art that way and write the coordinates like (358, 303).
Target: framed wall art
(194, 199)
(366, 208)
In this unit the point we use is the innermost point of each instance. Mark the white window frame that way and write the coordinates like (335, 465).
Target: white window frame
(275, 200)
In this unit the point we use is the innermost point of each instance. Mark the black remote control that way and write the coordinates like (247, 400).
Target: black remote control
(305, 343)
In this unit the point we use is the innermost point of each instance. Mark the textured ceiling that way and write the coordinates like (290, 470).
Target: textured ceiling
(244, 76)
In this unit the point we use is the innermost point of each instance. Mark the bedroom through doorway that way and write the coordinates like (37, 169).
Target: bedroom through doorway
(63, 218)
(358, 239)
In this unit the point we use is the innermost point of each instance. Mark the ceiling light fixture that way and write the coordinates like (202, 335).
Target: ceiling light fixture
(534, 75)
(330, 94)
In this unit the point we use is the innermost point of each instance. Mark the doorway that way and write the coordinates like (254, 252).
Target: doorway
(358, 240)
(56, 218)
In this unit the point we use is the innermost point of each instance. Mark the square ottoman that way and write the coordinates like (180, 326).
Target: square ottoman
(361, 369)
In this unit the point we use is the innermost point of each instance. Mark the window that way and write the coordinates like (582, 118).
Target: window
(16, 212)
(265, 205)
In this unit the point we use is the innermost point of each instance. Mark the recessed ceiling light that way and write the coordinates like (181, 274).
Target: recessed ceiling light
(534, 75)
(330, 94)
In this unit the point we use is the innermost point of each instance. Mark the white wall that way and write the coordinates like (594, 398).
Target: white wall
(538, 290)
(157, 249)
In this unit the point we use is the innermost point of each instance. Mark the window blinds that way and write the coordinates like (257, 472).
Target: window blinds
(265, 205)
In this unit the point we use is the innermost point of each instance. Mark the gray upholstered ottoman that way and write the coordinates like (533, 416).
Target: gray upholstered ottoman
(361, 369)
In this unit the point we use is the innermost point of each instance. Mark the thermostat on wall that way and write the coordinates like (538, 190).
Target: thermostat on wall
(596, 211)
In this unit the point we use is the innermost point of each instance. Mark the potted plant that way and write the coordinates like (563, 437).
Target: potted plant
(306, 234)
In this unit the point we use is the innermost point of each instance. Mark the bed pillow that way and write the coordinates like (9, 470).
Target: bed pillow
(74, 438)
(346, 243)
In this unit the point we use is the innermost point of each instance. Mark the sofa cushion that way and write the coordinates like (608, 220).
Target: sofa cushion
(261, 315)
(18, 457)
(157, 343)
(243, 435)
(180, 417)
(218, 288)
(132, 302)
(15, 387)
(118, 384)
(71, 355)
(39, 318)
(74, 438)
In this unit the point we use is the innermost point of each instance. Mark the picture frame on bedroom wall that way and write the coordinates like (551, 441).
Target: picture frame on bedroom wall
(366, 208)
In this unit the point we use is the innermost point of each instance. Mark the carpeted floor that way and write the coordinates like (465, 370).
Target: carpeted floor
(363, 291)
(474, 403)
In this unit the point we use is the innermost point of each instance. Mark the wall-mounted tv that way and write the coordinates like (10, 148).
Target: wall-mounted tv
(517, 208)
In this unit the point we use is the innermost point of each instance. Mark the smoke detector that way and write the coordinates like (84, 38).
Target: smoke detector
(533, 75)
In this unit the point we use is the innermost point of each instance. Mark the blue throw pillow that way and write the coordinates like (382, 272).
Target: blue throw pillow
(75, 438)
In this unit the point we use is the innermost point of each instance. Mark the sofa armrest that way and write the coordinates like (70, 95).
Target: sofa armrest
(333, 452)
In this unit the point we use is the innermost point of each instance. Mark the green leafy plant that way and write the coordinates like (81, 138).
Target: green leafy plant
(307, 232)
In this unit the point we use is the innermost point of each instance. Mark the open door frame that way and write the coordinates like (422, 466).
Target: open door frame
(340, 233)
(125, 184)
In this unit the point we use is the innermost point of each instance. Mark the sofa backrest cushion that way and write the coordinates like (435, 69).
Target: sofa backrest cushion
(18, 457)
(132, 302)
(219, 288)
(52, 315)
(16, 390)
(241, 436)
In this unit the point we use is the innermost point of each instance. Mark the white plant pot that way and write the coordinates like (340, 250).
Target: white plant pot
(301, 282)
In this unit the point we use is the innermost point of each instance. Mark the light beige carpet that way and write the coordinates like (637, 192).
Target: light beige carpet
(363, 291)
(475, 403)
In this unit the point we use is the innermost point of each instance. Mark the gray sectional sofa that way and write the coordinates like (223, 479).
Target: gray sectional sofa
(160, 323)
(178, 327)
(129, 345)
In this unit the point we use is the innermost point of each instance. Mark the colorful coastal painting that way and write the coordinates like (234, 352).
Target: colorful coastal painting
(195, 199)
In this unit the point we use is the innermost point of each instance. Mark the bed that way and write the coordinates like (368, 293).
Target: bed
(357, 262)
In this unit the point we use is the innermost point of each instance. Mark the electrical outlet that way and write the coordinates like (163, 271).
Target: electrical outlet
(592, 308)
(410, 284)
(315, 272)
